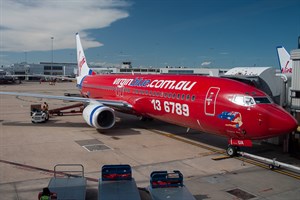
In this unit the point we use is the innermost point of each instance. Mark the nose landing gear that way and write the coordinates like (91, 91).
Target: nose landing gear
(235, 144)
(232, 150)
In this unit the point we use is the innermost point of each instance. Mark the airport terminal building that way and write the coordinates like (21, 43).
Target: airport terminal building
(43, 68)
(70, 69)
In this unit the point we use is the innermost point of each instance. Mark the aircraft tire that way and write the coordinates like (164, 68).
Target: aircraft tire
(231, 151)
(143, 119)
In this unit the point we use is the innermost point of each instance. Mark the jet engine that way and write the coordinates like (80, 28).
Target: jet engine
(99, 116)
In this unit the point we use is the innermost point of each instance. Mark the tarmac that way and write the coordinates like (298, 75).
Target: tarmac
(29, 152)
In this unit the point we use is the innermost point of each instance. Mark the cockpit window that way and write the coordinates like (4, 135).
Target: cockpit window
(238, 100)
(259, 100)
(243, 100)
(249, 100)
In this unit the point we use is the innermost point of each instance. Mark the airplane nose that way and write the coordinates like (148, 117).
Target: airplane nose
(280, 122)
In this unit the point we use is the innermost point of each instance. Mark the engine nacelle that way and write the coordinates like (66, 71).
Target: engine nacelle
(99, 116)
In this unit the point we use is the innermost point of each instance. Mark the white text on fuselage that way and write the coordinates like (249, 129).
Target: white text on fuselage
(158, 84)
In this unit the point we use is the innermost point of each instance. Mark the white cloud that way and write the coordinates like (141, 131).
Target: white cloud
(28, 25)
(224, 53)
(205, 63)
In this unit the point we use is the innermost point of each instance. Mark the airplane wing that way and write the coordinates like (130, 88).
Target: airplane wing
(117, 104)
(41, 76)
(55, 77)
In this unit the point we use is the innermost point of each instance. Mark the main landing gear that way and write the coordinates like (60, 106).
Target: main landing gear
(143, 118)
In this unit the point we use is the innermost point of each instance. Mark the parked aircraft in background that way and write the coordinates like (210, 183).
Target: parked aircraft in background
(214, 105)
(284, 60)
(7, 78)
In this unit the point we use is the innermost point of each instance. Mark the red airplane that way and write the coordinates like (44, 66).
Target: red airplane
(214, 105)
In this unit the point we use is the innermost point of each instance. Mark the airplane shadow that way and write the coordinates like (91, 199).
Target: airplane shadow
(50, 123)
(259, 147)
(129, 125)
(121, 128)
(132, 122)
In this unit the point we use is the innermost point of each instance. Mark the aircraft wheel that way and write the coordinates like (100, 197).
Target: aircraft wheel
(143, 119)
(231, 151)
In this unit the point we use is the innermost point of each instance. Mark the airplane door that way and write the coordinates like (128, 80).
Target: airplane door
(120, 91)
(210, 101)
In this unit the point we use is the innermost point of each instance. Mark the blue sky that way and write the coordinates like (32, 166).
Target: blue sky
(191, 33)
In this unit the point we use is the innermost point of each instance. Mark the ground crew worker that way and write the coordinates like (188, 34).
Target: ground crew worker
(44, 107)
(46, 194)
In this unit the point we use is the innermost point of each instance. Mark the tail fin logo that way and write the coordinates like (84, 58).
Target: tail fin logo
(81, 63)
(285, 61)
(286, 69)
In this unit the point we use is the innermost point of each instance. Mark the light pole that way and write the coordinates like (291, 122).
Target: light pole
(52, 38)
(25, 53)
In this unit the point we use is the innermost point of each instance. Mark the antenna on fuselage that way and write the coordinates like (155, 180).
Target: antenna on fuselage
(188, 130)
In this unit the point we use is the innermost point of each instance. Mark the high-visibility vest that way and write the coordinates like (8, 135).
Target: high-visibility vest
(45, 197)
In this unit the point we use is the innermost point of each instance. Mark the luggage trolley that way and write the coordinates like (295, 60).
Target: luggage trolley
(117, 183)
(68, 184)
(168, 185)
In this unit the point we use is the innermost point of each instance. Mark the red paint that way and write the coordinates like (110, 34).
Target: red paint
(198, 102)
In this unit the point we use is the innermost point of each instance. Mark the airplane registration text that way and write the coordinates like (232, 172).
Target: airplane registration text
(171, 107)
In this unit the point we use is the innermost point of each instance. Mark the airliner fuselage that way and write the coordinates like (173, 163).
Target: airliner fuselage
(209, 104)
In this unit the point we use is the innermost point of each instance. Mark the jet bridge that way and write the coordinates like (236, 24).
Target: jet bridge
(263, 78)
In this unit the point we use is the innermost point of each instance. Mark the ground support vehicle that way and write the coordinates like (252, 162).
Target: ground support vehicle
(66, 109)
(38, 115)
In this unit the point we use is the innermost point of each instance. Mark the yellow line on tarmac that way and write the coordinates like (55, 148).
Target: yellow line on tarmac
(188, 141)
(247, 160)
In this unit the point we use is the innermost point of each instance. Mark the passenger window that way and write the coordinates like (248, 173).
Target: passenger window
(188, 97)
(182, 97)
(193, 98)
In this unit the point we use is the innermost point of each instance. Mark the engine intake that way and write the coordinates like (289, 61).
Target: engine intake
(99, 116)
